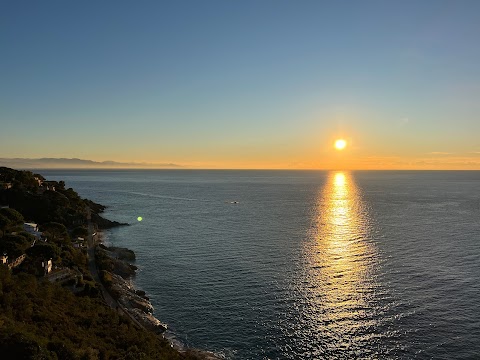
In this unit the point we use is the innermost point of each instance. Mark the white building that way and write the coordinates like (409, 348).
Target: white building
(32, 228)
(47, 266)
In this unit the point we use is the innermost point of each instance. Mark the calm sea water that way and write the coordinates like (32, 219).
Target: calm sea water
(305, 265)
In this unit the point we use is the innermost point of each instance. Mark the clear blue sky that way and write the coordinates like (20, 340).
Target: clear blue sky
(242, 84)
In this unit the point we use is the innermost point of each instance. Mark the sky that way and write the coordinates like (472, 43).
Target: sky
(243, 84)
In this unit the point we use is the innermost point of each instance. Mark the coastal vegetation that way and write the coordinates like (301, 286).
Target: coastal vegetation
(40, 320)
(62, 315)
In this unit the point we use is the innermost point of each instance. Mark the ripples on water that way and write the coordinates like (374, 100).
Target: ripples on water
(307, 265)
(342, 312)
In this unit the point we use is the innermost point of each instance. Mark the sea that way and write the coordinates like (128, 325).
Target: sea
(302, 264)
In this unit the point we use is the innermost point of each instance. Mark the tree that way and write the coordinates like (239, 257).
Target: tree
(4, 224)
(31, 238)
(44, 251)
(14, 245)
(13, 215)
(10, 219)
(56, 232)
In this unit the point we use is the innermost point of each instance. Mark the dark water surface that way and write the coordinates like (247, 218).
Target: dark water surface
(307, 265)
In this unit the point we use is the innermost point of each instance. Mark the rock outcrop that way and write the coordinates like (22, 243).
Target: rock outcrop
(134, 302)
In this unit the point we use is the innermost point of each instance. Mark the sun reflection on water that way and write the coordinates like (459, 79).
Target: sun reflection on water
(341, 264)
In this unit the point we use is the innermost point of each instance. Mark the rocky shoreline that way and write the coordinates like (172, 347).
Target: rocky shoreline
(132, 301)
(117, 269)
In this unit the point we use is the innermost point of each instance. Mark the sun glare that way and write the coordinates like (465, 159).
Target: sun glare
(340, 144)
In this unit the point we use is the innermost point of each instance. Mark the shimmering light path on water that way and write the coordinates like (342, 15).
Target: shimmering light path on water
(341, 272)
(304, 265)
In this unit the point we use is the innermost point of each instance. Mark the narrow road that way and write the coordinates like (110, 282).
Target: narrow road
(92, 266)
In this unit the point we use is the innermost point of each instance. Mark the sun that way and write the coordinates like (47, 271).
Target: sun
(340, 144)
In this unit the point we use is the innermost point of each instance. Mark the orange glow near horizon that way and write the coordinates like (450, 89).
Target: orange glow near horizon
(343, 150)
(325, 158)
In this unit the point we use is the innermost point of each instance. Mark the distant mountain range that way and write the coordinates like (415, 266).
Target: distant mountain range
(74, 163)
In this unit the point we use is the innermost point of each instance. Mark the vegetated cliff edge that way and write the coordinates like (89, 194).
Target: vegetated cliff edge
(116, 272)
(47, 316)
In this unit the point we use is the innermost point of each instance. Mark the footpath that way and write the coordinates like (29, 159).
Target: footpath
(92, 266)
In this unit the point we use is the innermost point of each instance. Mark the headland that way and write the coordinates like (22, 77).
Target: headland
(64, 294)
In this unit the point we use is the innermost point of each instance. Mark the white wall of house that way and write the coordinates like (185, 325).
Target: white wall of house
(47, 266)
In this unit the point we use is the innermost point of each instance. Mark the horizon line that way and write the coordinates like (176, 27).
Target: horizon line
(229, 169)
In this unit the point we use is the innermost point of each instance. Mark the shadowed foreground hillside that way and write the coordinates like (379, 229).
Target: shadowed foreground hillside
(40, 320)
